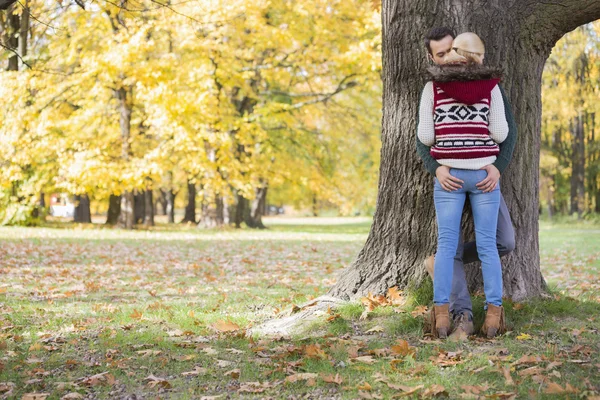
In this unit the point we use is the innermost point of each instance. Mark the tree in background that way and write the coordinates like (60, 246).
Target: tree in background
(240, 100)
(570, 170)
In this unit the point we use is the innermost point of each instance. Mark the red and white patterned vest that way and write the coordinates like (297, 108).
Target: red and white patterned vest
(461, 128)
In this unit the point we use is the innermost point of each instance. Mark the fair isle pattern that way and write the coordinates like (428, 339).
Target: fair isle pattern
(461, 130)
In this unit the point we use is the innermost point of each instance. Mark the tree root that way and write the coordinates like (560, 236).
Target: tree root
(297, 322)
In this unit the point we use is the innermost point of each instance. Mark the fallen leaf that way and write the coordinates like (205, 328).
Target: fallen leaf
(434, 391)
(524, 336)
(301, 377)
(419, 311)
(35, 396)
(224, 363)
(402, 348)
(376, 328)
(154, 381)
(365, 359)
(364, 386)
(225, 326)
(314, 351)
(508, 380)
(136, 314)
(72, 396)
(234, 373)
(196, 372)
(337, 379)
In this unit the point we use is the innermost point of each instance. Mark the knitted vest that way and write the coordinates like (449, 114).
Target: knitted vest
(461, 127)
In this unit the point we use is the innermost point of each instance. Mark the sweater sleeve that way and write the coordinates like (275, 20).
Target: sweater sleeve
(425, 131)
(507, 147)
(498, 125)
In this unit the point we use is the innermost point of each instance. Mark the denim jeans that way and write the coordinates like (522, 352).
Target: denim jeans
(460, 299)
(449, 209)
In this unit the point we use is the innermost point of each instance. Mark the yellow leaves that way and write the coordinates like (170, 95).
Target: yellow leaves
(524, 336)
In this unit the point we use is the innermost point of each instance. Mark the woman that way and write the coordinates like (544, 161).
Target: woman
(461, 115)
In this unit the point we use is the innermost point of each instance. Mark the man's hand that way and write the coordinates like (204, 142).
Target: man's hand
(447, 181)
(491, 181)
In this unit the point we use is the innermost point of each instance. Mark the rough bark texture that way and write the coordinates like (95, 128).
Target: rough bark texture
(82, 209)
(171, 206)
(114, 210)
(519, 36)
(190, 208)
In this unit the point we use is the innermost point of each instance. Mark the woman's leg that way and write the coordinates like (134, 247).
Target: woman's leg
(448, 210)
(485, 214)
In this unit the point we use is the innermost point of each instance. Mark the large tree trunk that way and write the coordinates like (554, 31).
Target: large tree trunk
(139, 206)
(171, 205)
(114, 210)
(190, 208)
(240, 210)
(82, 209)
(519, 36)
(162, 200)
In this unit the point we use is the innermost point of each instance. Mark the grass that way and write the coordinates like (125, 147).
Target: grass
(105, 313)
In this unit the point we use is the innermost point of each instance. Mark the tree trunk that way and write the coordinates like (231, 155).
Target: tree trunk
(149, 208)
(190, 208)
(240, 210)
(82, 209)
(162, 200)
(126, 217)
(253, 217)
(42, 202)
(577, 167)
(139, 207)
(171, 205)
(315, 209)
(519, 37)
(114, 210)
(24, 32)
(12, 37)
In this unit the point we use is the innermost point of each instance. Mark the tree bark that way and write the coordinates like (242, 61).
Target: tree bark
(114, 210)
(171, 205)
(253, 217)
(190, 208)
(162, 200)
(577, 166)
(12, 36)
(126, 217)
(82, 209)
(149, 208)
(519, 36)
(24, 32)
(240, 210)
(139, 206)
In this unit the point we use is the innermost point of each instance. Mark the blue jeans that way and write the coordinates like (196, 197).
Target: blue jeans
(460, 299)
(449, 209)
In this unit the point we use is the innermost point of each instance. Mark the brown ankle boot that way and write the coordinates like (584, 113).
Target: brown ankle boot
(441, 324)
(494, 321)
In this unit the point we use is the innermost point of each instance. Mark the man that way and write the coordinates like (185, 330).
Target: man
(439, 45)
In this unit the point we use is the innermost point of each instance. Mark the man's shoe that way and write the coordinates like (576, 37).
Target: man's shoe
(463, 328)
(494, 321)
(429, 263)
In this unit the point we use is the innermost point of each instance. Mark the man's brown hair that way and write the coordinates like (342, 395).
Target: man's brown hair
(438, 34)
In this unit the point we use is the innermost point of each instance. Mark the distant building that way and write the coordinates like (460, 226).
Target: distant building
(61, 205)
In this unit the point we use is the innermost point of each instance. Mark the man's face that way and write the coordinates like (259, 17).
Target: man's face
(440, 49)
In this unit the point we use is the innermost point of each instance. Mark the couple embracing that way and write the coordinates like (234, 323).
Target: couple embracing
(465, 136)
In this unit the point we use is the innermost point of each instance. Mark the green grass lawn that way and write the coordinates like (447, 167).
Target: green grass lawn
(105, 313)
